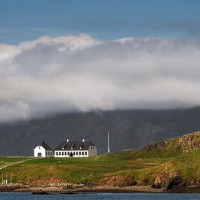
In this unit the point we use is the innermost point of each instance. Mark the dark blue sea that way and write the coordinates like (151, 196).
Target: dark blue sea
(99, 196)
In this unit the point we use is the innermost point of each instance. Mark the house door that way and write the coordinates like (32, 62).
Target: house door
(71, 154)
(39, 154)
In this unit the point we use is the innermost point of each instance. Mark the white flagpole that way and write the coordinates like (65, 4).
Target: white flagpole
(108, 142)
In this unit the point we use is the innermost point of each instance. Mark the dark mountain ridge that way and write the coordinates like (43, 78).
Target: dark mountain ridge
(129, 129)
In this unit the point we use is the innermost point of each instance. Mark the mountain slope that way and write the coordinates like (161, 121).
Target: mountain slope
(131, 129)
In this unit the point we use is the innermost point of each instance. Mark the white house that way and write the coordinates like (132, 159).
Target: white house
(82, 148)
(43, 150)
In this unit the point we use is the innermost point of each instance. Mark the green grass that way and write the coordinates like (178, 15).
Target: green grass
(140, 166)
(94, 170)
(12, 159)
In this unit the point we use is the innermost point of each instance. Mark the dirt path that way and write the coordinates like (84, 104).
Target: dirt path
(13, 163)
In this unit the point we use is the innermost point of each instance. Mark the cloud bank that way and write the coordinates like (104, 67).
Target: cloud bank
(80, 73)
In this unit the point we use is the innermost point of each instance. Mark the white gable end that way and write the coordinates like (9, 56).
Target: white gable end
(39, 151)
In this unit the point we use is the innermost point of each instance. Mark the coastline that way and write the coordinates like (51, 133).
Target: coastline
(99, 189)
(85, 189)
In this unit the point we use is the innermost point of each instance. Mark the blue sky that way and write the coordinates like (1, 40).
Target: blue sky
(103, 19)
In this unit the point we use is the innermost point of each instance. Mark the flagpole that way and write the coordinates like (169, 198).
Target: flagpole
(108, 142)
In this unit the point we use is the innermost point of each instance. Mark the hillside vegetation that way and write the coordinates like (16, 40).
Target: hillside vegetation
(169, 163)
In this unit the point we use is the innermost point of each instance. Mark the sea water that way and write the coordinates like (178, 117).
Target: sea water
(99, 196)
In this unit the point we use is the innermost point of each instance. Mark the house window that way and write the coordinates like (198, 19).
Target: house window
(56, 153)
(68, 152)
(86, 153)
(79, 153)
(59, 153)
(39, 154)
(73, 153)
(65, 153)
(82, 152)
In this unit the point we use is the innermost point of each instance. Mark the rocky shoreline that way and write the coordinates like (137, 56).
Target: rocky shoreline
(96, 189)
(85, 189)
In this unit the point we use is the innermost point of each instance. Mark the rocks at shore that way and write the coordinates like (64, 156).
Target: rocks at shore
(167, 180)
(12, 187)
(40, 192)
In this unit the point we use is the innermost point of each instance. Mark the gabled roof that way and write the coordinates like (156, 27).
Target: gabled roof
(46, 146)
(74, 145)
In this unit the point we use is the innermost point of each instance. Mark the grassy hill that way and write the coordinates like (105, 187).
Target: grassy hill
(164, 164)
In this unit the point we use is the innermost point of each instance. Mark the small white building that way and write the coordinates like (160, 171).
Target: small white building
(82, 148)
(43, 150)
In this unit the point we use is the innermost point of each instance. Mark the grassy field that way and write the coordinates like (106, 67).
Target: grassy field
(118, 169)
(4, 161)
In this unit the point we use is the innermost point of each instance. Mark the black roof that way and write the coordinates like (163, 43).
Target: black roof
(46, 146)
(74, 145)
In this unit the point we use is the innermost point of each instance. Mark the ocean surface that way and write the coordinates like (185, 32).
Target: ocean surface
(99, 196)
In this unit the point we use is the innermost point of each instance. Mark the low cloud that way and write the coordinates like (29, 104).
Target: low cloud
(80, 73)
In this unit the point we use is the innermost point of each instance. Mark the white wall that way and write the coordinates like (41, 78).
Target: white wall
(42, 151)
(64, 154)
(92, 151)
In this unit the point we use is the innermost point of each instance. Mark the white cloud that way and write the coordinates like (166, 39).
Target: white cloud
(80, 73)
